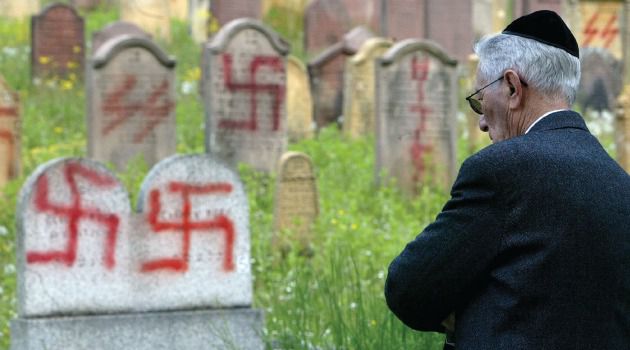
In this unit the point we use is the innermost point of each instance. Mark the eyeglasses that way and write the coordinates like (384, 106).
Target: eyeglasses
(475, 104)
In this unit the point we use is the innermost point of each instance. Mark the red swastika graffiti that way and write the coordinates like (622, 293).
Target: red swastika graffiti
(114, 104)
(74, 213)
(607, 34)
(420, 73)
(186, 226)
(253, 88)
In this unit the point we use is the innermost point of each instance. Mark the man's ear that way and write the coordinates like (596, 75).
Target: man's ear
(516, 88)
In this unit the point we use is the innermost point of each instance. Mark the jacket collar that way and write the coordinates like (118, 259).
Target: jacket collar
(560, 120)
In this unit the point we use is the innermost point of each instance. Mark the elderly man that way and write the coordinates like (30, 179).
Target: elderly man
(532, 251)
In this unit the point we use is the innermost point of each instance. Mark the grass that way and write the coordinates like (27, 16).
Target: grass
(332, 300)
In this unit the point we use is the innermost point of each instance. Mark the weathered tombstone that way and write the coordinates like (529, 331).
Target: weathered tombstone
(244, 94)
(198, 16)
(417, 103)
(228, 10)
(405, 19)
(9, 133)
(57, 42)
(179, 9)
(524, 7)
(449, 23)
(326, 72)
(89, 5)
(358, 111)
(131, 102)
(115, 29)
(299, 102)
(599, 26)
(601, 80)
(296, 201)
(18, 9)
(94, 275)
(152, 16)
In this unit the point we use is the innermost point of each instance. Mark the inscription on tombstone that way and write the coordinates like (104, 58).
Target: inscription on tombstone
(115, 29)
(244, 94)
(600, 26)
(9, 133)
(299, 102)
(81, 251)
(358, 111)
(152, 16)
(18, 9)
(228, 10)
(57, 42)
(296, 203)
(131, 102)
(417, 105)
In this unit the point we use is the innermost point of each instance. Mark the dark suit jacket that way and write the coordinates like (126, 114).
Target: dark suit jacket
(532, 251)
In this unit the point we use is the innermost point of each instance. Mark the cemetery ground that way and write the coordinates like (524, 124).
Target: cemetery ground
(329, 299)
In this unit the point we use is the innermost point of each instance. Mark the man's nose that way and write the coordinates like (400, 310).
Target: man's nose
(482, 124)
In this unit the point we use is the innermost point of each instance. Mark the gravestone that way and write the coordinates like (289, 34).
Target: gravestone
(600, 26)
(358, 111)
(9, 133)
(299, 102)
(89, 5)
(228, 10)
(199, 14)
(244, 94)
(523, 7)
(326, 73)
(18, 9)
(153, 16)
(601, 80)
(416, 102)
(57, 42)
(450, 24)
(296, 201)
(131, 102)
(405, 19)
(622, 129)
(94, 275)
(115, 29)
(179, 9)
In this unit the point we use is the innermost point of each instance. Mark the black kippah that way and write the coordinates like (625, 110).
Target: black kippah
(546, 27)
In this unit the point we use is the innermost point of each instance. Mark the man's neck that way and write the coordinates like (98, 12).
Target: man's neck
(536, 111)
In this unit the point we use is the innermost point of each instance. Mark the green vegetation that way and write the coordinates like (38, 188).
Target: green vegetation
(332, 300)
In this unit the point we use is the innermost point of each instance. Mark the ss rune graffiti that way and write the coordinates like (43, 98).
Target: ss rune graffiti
(419, 73)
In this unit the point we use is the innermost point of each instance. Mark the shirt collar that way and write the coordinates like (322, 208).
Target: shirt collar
(541, 117)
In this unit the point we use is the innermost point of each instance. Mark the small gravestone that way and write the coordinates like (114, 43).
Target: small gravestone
(18, 9)
(325, 22)
(228, 10)
(601, 80)
(326, 72)
(115, 29)
(94, 275)
(131, 102)
(9, 133)
(153, 16)
(299, 102)
(416, 103)
(358, 111)
(296, 203)
(57, 42)
(89, 5)
(198, 16)
(405, 19)
(245, 95)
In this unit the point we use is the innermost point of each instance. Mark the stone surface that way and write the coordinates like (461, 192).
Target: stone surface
(326, 73)
(184, 330)
(600, 26)
(358, 111)
(80, 250)
(198, 16)
(152, 16)
(9, 133)
(405, 19)
(601, 80)
(18, 9)
(57, 42)
(244, 94)
(228, 10)
(296, 201)
(131, 102)
(89, 5)
(299, 101)
(179, 9)
(115, 29)
(416, 104)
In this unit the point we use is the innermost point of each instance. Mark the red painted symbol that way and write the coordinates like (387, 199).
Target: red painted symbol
(607, 34)
(253, 88)
(75, 212)
(420, 73)
(186, 226)
(154, 113)
(8, 111)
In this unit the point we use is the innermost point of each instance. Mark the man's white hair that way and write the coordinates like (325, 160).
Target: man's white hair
(550, 70)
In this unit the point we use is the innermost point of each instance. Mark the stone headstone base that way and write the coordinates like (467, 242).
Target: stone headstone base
(182, 330)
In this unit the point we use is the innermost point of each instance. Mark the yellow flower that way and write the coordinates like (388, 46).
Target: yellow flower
(66, 85)
(71, 65)
(44, 59)
(353, 226)
(341, 212)
(76, 49)
(58, 130)
(72, 77)
(373, 323)
(333, 221)
(193, 74)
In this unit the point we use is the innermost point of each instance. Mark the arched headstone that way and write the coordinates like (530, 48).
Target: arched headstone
(244, 94)
(131, 102)
(417, 104)
(299, 101)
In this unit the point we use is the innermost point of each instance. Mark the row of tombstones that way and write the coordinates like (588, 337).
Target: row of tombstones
(175, 273)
